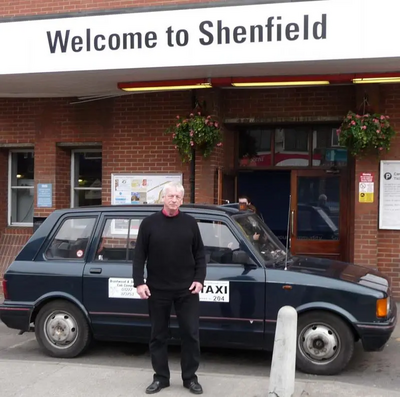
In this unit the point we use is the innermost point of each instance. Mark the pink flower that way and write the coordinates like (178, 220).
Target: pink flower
(185, 121)
(338, 131)
(376, 121)
(353, 123)
(173, 135)
(364, 127)
(208, 117)
(178, 125)
(383, 117)
(216, 124)
(378, 132)
(191, 114)
(191, 143)
(199, 113)
(206, 122)
(191, 133)
(219, 144)
(177, 117)
(381, 148)
(358, 116)
(176, 147)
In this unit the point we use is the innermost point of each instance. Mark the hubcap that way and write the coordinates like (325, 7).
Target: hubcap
(320, 343)
(61, 329)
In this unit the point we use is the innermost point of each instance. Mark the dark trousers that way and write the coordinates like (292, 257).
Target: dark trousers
(186, 307)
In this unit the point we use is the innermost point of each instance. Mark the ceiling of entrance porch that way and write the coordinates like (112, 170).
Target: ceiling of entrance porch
(104, 83)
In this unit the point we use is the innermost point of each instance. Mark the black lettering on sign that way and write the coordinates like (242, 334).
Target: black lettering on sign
(219, 290)
(209, 35)
(60, 41)
(273, 29)
(209, 290)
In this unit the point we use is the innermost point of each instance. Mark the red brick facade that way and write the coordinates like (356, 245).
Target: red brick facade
(131, 129)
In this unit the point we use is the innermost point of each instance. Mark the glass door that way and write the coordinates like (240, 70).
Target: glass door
(317, 214)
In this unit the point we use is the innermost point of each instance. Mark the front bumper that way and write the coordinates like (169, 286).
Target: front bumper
(375, 336)
(16, 316)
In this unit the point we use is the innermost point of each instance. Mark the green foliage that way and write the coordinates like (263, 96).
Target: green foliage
(366, 134)
(195, 132)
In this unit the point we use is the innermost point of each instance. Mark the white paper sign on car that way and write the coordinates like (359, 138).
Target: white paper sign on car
(213, 291)
(122, 288)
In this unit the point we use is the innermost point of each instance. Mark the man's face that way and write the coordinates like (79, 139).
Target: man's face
(172, 200)
(243, 203)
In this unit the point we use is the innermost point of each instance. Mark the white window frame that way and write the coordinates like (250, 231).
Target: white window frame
(334, 138)
(73, 188)
(10, 222)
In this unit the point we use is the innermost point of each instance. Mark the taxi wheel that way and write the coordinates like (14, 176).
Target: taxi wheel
(62, 330)
(325, 343)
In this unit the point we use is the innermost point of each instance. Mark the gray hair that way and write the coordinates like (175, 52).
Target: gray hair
(173, 185)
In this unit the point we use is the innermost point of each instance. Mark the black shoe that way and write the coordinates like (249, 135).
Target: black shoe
(155, 387)
(194, 387)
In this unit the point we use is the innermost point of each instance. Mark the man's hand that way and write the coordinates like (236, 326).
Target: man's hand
(143, 291)
(196, 287)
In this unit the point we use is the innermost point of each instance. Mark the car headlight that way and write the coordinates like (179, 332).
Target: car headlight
(382, 307)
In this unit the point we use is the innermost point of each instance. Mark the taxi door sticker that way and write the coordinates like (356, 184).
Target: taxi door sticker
(213, 291)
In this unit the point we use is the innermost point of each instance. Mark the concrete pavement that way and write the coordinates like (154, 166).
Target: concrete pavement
(46, 379)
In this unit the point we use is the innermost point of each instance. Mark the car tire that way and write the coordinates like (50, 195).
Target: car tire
(62, 330)
(325, 343)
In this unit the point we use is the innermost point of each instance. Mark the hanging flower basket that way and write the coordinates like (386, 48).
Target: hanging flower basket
(196, 131)
(366, 134)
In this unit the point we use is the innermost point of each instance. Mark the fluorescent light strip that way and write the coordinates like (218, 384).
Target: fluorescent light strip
(168, 88)
(279, 83)
(377, 80)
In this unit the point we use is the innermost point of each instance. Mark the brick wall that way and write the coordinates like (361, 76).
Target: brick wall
(3, 191)
(41, 7)
(376, 247)
(130, 130)
(388, 240)
(289, 102)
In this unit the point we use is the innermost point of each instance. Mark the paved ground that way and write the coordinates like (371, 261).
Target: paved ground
(118, 369)
(44, 379)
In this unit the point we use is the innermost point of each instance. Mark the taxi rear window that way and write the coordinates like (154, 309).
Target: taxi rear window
(71, 240)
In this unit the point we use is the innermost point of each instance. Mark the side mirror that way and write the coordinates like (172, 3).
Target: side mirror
(240, 257)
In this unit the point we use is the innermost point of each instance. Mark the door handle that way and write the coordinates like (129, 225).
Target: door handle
(95, 270)
(292, 223)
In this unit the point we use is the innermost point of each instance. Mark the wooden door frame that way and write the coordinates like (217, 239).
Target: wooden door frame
(344, 230)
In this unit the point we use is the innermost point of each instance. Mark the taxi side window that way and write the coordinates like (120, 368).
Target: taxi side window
(218, 240)
(118, 239)
(71, 240)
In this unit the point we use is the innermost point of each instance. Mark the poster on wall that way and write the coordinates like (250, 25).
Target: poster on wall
(139, 188)
(366, 187)
(389, 195)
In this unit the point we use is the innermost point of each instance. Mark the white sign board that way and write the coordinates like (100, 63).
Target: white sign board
(139, 188)
(389, 195)
(213, 291)
(245, 34)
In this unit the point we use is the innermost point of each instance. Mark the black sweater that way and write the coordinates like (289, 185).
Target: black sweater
(174, 252)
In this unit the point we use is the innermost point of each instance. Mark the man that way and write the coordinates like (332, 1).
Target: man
(322, 203)
(171, 243)
(245, 204)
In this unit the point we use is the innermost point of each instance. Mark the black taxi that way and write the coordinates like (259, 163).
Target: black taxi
(72, 282)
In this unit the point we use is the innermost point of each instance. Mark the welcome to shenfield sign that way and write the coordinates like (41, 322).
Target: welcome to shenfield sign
(266, 33)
